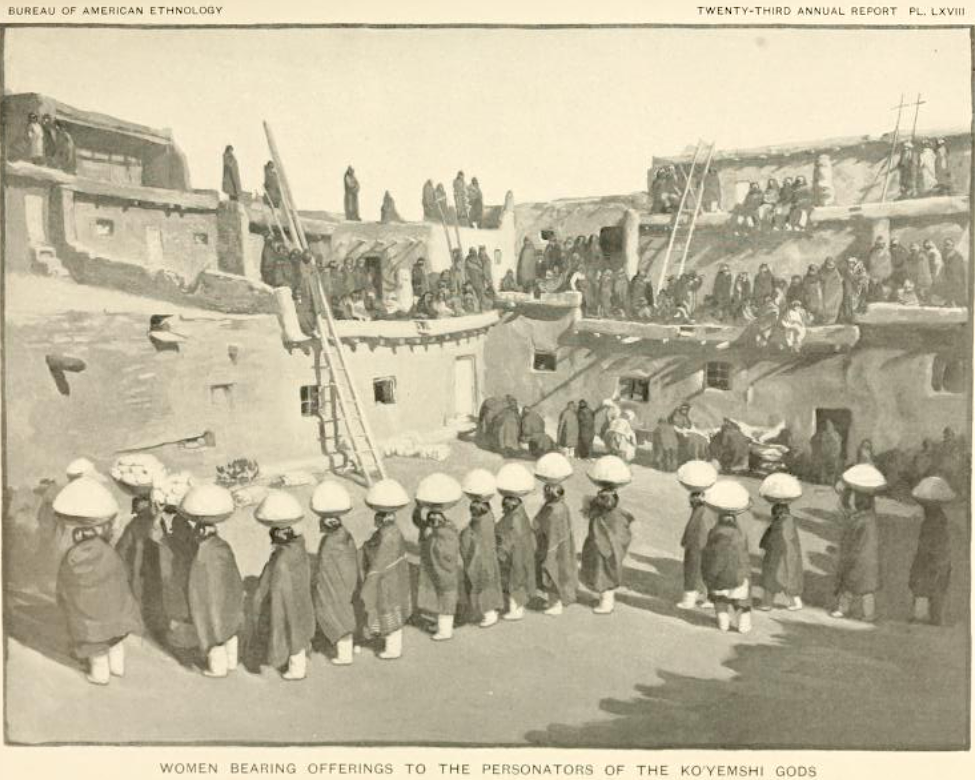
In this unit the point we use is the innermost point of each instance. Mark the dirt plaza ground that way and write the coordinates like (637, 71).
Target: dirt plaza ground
(647, 676)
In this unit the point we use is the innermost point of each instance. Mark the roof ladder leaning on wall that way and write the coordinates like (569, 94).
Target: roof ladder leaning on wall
(355, 445)
(675, 228)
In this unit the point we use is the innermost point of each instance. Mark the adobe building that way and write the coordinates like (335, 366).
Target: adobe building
(895, 375)
(91, 256)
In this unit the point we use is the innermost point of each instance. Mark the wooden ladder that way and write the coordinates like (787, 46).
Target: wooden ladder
(682, 208)
(341, 418)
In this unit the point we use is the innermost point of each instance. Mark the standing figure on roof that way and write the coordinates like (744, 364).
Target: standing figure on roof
(475, 200)
(34, 140)
(387, 211)
(429, 202)
(460, 199)
(942, 167)
(351, 185)
(907, 168)
(231, 174)
(272, 187)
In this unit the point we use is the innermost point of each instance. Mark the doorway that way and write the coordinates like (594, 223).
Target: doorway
(154, 247)
(374, 273)
(34, 215)
(842, 420)
(465, 386)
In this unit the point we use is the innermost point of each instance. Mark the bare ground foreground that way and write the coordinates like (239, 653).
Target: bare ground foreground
(647, 676)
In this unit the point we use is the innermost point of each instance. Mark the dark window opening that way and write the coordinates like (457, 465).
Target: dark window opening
(104, 227)
(544, 361)
(947, 375)
(201, 238)
(634, 388)
(384, 390)
(548, 234)
(717, 375)
(311, 400)
(611, 240)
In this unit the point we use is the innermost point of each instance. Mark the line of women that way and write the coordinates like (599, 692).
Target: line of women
(489, 567)
(489, 570)
(717, 564)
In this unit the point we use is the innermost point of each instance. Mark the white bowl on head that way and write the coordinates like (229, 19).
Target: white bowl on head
(780, 488)
(209, 504)
(387, 495)
(697, 475)
(330, 498)
(85, 501)
(933, 490)
(279, 510)
(515, 480)
(727, 496)
(553, 468)
(438, 491)
(479, 483)
(610, 471)
(864, 478)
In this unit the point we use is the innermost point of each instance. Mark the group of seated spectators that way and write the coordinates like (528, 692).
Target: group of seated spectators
(784, 206)
(355, 293)
(779, 308)
(47, 142)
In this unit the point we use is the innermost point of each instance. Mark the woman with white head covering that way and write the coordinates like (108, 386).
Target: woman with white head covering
(931, 569)
(858, 563)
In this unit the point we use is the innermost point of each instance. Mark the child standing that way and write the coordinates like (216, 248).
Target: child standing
(92, 587)
(285, 615)
(336, 579)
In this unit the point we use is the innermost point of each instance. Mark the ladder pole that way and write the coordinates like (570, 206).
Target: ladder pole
(286, 199)
(697, 210)
(327, 331)
(893, 149)
(680, 209)
(274, 214)
(443, 221)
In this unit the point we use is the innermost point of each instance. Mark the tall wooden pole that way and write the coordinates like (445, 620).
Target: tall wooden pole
(680, 210)
(697, 209)
(286, 200)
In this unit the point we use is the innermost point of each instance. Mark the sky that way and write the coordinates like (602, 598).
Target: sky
(544, 113)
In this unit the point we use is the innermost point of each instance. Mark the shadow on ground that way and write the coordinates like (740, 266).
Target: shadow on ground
(906, 680)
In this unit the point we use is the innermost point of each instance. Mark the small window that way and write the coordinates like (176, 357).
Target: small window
(544, 361)
(717, 376)
(634, 388)
(947, 375)
(547, 234)
(311, 400)
(222, 395)
(384, 390)
(104, 227)
(201, 238)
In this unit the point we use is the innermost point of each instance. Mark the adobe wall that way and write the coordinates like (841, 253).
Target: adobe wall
(885, 381)
(16, 250)
(132, 396)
